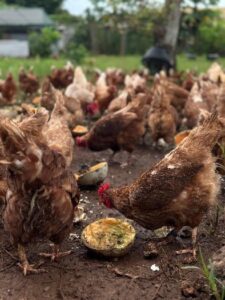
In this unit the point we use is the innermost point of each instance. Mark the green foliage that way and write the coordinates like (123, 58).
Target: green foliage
(76, 53)
(41, 43)
(210, 37)
(50, 6)
(205, 2)
(64, 17)
(216, 287)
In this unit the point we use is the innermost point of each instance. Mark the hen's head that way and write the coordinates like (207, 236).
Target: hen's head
(103, 195)
(93, 108)
(81, 141)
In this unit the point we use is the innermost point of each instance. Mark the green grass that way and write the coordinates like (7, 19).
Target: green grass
(216, 286)
(42, 67)
(201, 64)
(127, 63)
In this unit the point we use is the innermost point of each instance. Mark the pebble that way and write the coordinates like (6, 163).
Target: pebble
(154, 268)
(188, 290)
(151, 251)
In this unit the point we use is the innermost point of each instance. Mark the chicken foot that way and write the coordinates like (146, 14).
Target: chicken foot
(55, 253)
(193, 250)
(24, 264)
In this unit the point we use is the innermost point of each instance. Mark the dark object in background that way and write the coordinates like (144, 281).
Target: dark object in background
(212, 56)
(157, 59)
(190, 55)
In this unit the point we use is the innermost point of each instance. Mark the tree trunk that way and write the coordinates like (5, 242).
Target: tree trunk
(123, 43)
(172, 15)
(94, 38)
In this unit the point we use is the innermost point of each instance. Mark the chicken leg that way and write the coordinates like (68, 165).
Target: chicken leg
(55, 253)
(193, 250)
(24, 264)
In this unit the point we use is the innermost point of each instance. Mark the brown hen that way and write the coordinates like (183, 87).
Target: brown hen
(177, 191)
(162, 117)
(61, 78)
(42, 191)
(73, 113)
(119, 130)
(104, 94)
(8, 89)
(28, 82)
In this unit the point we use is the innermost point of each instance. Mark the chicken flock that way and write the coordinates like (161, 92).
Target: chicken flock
(38, 190)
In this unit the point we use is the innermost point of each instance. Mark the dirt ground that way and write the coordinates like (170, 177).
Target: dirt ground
(83, 275)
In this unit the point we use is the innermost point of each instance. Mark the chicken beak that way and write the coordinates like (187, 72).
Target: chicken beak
(5, 162)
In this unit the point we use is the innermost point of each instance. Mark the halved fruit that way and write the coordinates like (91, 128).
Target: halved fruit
(92, 176)
(79, 130)
(109, 237)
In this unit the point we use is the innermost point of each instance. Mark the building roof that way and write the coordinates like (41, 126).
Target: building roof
(24, 17)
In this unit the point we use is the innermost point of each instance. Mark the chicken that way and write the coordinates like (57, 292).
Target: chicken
(47, 95)
(162, 117)
(202, 96)
(178, 95)
(220, 101)
(3, 182)
(61, 78)
(8, 90)
(189, 81)
(80, 89)
(215, 73)
(179, 190)
(119, 102)
(114, 77)
(28, 82)
(42, 192)
(104, 94)
(135, 84)
(119, 130)
(74, 113)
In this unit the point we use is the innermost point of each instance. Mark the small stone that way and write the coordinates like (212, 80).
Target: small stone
(188, 290)
(151, 251)
(218, 262)
(189, 260)
(9, 292)
(47, 288)
(154, 268)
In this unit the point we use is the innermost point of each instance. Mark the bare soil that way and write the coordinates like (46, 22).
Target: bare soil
(83, 275)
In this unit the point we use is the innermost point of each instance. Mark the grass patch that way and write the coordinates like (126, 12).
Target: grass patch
(42, 67)
(216, 287)
(200, 64)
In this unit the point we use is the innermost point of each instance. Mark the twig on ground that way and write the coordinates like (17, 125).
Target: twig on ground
(8, 267)
(120, 273)
(10, 254)
(157, 291)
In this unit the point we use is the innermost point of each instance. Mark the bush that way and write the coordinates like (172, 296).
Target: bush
(76, 53)
(210, 37)
(41, 42)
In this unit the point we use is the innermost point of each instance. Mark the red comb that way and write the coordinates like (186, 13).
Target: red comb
(104, 187)
(92, 108)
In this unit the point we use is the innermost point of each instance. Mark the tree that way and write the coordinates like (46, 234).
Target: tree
(50, 6)
(166, 34)
(123, 18)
